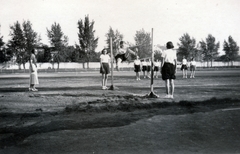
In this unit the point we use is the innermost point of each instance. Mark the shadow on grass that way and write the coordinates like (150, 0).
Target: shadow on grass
(131, 106)
(43, 89)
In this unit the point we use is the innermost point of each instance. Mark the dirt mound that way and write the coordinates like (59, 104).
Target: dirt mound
(108, 112)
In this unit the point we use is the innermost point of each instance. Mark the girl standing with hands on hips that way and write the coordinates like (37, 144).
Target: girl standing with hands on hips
(169, 69)
(104, 67)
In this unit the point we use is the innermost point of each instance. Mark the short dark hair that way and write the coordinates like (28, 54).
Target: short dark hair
(33, 51)
(104, 49)
(170, 45)
(121, 42)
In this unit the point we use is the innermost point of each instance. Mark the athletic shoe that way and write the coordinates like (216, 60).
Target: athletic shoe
(104, 88)
(171, 96)
(34, 89)
(166, 96)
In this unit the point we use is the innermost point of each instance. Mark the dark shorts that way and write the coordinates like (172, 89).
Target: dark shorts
(144, 68)
(192, 68)
(105, 69)
(156, 69)
(168, 71)
(184, 67)
(137, 68)
(124, 57)
(148, 68)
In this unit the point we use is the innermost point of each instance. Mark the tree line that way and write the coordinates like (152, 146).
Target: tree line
(23, 39)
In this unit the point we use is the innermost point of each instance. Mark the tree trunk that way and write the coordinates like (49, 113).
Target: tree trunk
(83, 63)
(19, 66)
(24, 66)
(52, 65)
(88, 65)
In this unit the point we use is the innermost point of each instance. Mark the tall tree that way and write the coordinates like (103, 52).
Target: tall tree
(209, 49)
(231, 49)
(116, 38)
(187, 47)
(3, 56)
(143, 39)
(30, 40)
(17, 43)
(58, 42)
(87, 41)
(22, 41)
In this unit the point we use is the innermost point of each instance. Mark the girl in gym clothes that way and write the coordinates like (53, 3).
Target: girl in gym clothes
(104, 67)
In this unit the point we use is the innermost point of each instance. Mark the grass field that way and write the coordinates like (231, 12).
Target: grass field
(62, 93)
(58, 90)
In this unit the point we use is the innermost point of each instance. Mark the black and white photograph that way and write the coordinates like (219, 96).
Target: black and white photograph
(119, 77)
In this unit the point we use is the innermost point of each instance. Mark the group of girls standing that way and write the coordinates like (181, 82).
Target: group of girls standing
(145, 64)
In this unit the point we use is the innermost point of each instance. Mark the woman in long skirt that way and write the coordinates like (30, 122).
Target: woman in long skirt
(33, 71)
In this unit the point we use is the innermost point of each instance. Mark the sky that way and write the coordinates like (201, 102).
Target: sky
(169, 19)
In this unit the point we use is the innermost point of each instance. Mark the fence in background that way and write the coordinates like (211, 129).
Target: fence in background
(96, 66)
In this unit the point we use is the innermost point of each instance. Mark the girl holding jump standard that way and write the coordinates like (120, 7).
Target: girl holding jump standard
(104, 67)
(122, 54)
(169, 68)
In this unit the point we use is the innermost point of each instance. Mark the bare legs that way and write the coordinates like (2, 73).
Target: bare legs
(138, 76)
(184, 73)
(169, 84)
(156, 74)
(144, 74)
(192, 74)
(104, 81)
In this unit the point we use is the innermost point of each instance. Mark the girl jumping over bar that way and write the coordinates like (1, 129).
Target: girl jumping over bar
(123, 54)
